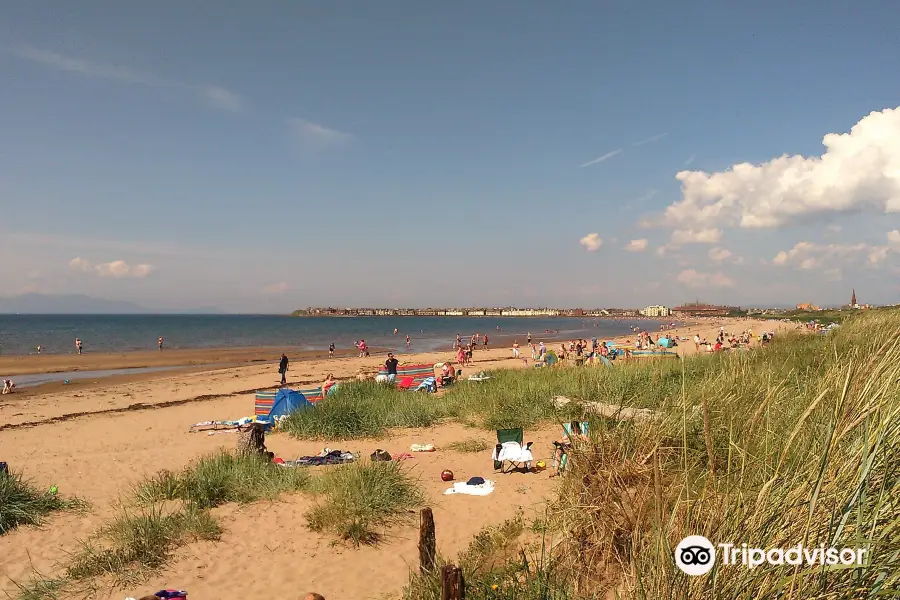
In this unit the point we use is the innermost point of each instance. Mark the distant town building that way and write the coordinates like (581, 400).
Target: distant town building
(696, 309)
(656, 311)
(807, 307)
(853, 303)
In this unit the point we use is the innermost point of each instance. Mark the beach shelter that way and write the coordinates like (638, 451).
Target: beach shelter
(664, 342)
(286, 402)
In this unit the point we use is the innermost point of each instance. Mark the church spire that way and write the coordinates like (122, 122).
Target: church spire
(853, 298)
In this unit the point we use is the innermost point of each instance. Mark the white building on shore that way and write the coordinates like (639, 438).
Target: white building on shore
(656, 311)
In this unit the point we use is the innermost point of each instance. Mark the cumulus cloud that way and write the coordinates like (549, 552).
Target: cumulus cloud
(591, 242)
(314, 133)
(719, 254)
(116, 269)
(696, 236)
(809, 255)
(858, 172)
(695, 279)
(636, 245)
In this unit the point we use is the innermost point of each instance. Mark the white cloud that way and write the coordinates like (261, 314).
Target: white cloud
(696, 236)
(314, 133)
(219, 97)
(636, 245)
(591, 242)
(809, 255)
(652, 138)
(116, 269)
(216, 96)
(719, 254)
(601, 158)
(859, 171)
(696, 279)
(276, 288)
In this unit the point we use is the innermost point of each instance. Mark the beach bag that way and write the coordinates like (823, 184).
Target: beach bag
(380, 455)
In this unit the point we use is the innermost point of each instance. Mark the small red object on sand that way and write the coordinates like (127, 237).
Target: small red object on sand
(278, 461)
(446, 475)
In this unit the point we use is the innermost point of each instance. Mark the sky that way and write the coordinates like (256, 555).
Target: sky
(262, 157)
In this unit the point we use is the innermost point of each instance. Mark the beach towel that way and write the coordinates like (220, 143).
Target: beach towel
(332, 457)
(463, 487)
(510, 448)
(422, 447)
(429, 384)
(410, 376)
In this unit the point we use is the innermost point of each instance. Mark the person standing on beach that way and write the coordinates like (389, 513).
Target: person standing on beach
(485, 340)
(458, 342)
(282, 368)
(407, 341)
(516, 349)
(391, 365)
(78, 346)
(159, 343)
(331, 350)
(529, 337)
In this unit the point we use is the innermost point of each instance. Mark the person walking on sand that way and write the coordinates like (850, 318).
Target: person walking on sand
(529, 337)
(407, 341)
(485, 340)
(282, 368)
(159, 343)
(331, 350)
(78, 345)
(516, 349)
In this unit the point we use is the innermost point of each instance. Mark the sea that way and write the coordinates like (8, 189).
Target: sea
(22, 334)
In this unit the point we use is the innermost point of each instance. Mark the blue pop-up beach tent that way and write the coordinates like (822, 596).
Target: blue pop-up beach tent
(286, 402)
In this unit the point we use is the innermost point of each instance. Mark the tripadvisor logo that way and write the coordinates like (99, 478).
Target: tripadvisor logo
(696, 555)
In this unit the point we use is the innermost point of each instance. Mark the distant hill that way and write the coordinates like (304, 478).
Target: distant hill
(78, 304)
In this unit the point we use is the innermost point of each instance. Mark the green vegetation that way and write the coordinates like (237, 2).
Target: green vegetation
(134, 545)
(360, 410)
(21, 503)
(498, 566)
(795, 444)
(825, 317)
(468, 445)
(362, 498)
(222, 477)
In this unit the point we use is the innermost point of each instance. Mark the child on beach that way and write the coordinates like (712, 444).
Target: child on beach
(331, 350)
(407, 340)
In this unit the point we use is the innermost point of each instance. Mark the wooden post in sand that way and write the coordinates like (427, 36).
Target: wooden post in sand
(452, 585)
(427, 550)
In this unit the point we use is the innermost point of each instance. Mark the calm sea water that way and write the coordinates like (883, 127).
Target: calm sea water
(21, 334)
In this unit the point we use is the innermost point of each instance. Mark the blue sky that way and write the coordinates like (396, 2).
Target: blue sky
(268, 157)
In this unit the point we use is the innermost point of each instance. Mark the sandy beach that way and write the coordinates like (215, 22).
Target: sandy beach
(96, 439)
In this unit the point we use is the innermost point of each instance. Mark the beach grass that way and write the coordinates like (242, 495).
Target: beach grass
(136, 544)
(222, 477)
(361, 499)
(497, 565)
(362, 410)
(468, 445)
(22, 503)
(793, 444)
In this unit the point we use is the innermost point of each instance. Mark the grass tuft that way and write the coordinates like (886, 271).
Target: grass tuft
(362, 499)
(134, 545)
(362, 410)
(22, 503)
(223, 477)
(469, 445)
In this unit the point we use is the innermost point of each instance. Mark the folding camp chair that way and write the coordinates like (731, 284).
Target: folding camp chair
(510, 449)
(564, 448)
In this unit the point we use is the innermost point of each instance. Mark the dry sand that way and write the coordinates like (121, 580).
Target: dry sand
(95, 442)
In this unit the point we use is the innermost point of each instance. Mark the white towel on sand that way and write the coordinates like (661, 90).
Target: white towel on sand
(461, 487)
